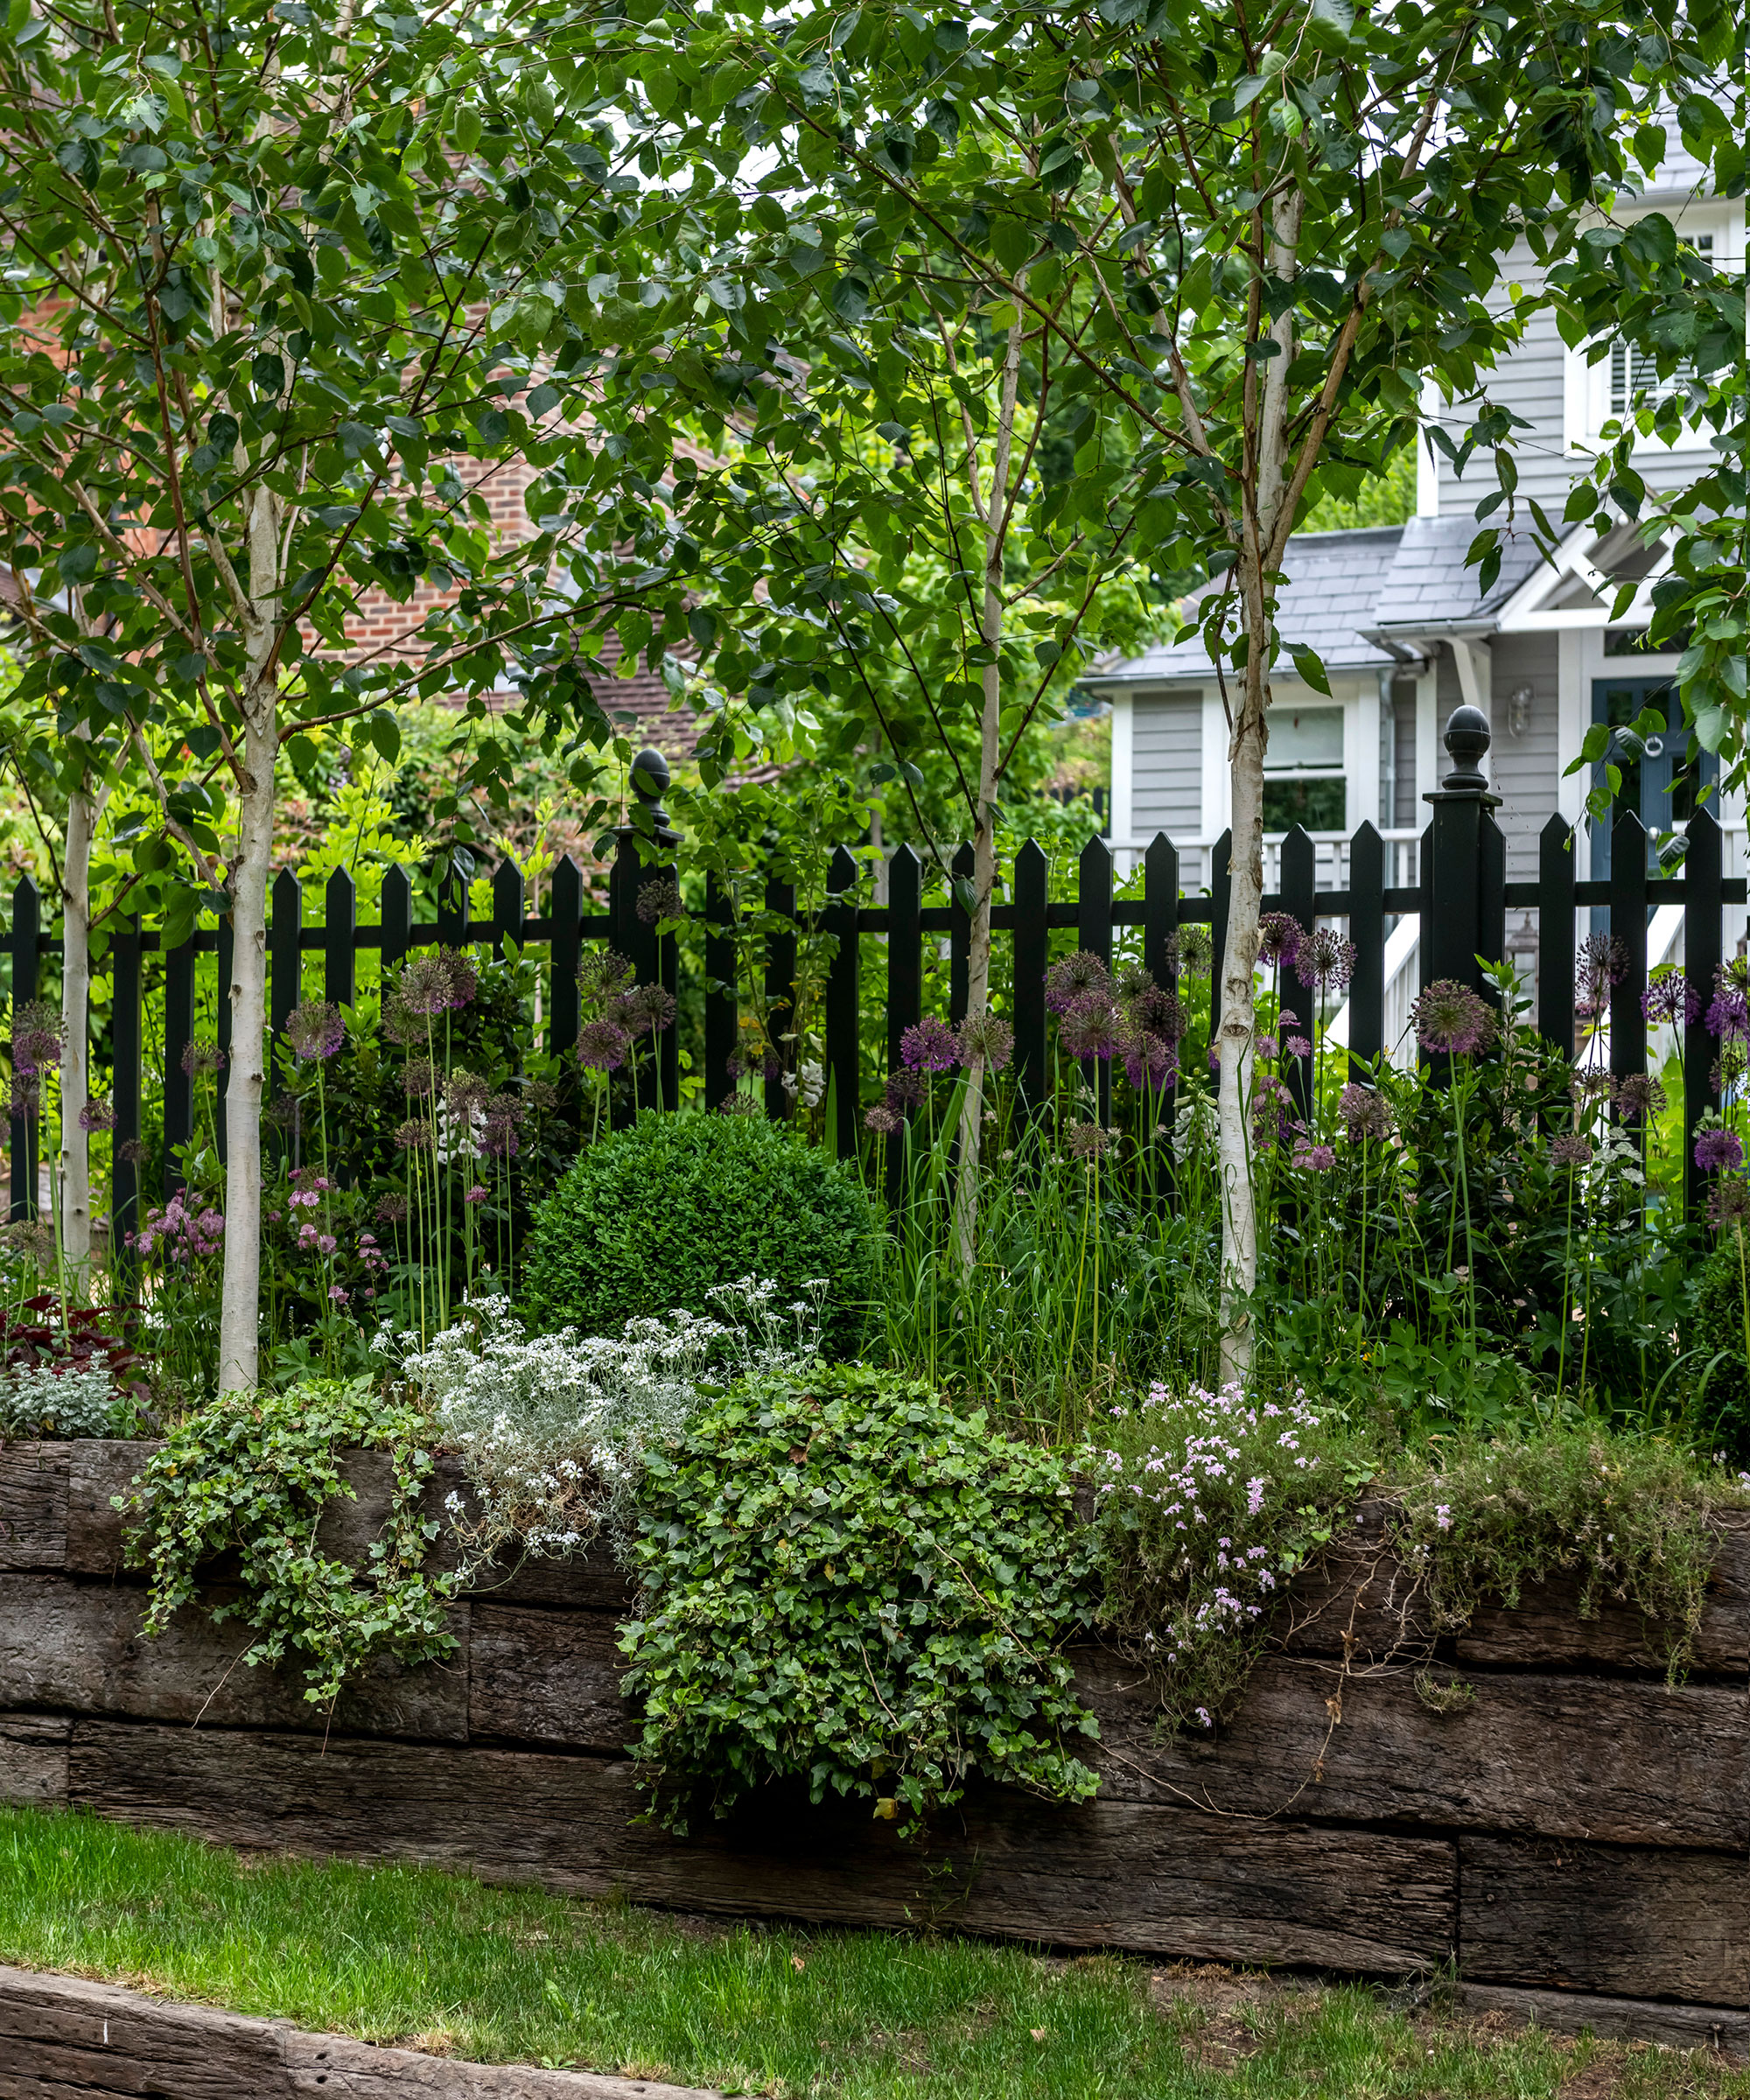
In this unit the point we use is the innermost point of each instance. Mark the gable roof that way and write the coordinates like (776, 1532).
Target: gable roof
(1430, 585)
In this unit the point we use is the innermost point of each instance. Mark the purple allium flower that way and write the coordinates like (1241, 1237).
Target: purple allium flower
(1072, 978)
(1194, 949)
(391, 1209)
(1729, 1013)
(1298, 1046)
(646, 1007)
(1279, 937)
(314, 1029)
(98, 1114)
(1729, 1068)
(659, 899)
(1363, 1112)
(1600, 963)
(1639, 1098)
(1571, 1148)
(987, 1036)
(201, 1060)
(1088, 1141)
(27, 1094)
(1158, 1011)
(601, 1045)
(929, 1045)
(883, 1120)
(906, 1089)
(1670, 996)
(1323, 959)
(1453, 1018)
(1147, 1060)
(1728, 1202)
(419, 1078)
(415, 1136)
(37, 1037)
(133, 1152)
(1719, 1148)
(1316, 1159)
(1088, 1027)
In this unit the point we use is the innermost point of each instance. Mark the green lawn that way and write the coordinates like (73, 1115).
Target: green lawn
(409, 1954)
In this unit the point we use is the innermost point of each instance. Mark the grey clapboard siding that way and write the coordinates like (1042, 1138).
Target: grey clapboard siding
(1526, 769)
(1166, 763)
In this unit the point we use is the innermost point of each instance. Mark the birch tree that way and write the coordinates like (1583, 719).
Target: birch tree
(284, 309)
(1248, 235)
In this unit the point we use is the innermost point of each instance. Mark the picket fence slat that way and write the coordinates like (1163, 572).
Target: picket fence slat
(27, 913)
(1704, 942)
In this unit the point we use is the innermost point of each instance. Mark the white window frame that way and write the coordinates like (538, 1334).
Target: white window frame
(1587, 388)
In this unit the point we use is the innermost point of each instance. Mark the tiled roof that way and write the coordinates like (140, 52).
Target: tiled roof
(1335, 581)
(1408, 579)
(1430, 583)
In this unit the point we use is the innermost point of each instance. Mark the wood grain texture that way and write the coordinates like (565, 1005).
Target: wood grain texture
(64, 2038)
(33, 1760)
(101, 1469)
(1545, 1627)
(1610, 1760)
(1726, 2028)
(33, 1504)
(78, 1646)
(1112, 1873)
(547, 1676)
(1578, 1917)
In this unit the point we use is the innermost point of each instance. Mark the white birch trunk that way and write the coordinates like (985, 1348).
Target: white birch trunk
(985, 816)
(1263, 527)
(239, 1311)
(75, 1177)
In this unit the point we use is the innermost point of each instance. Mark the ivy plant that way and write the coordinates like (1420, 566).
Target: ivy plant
(848, 1582)
(252, 1475)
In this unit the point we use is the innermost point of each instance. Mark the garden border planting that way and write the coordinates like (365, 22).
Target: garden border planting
(82, 2040)
(1576, 1826)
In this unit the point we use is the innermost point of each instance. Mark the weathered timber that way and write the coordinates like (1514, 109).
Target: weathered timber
(33, 1505)
(33, 1760)
(1545, 1627)
(1579, 1917)
(1111, 1873)
(1613, 1759)
(1723, 2027)
(1359, 1598)
(102, 1468)
(63, 2038)
(546, 1676)
(78, 1646)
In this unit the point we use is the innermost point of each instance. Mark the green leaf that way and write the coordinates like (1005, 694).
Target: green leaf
(1310, 666)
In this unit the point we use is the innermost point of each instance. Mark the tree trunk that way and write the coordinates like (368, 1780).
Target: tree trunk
(75, 1193)
(240, 1310)
(1264, 526)
(984, 816)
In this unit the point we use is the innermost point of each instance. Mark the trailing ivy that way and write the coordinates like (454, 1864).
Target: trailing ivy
(251, 1474)
(848, 1582)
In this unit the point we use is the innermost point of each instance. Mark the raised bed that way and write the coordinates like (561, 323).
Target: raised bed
(1578, 1827)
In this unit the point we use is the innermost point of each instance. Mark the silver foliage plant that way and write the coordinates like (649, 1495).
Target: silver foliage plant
(553, 1429)
(48, 1400)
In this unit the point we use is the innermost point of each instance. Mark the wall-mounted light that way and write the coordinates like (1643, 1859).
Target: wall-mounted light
(1519, 710)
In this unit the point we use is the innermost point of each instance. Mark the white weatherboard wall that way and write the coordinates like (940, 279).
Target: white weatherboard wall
(1167, 766)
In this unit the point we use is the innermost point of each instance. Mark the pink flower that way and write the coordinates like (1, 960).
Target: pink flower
(476, 1194)
(337, 1294)
(327, 1243)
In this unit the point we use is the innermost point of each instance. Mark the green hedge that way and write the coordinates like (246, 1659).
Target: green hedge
(649, 1219)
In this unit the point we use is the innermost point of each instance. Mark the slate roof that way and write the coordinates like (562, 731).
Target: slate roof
(1429, 582)
(1345, 587)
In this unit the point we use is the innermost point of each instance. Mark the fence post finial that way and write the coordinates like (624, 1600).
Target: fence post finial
(1467, 740)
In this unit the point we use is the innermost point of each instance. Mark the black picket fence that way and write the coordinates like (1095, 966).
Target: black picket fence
(1462, 901)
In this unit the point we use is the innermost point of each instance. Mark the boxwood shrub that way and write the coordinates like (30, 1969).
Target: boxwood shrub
(650, 1218)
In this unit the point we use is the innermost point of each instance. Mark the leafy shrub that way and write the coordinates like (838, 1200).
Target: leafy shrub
(251, 1474)
(63, 1374)
(1209, 1503)
(555, 1431)
(653, 1217)
(1723, 1330)
(846, 1581)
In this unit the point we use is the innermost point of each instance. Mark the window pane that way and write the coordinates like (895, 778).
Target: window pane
(1304, 735)
(1320, 805)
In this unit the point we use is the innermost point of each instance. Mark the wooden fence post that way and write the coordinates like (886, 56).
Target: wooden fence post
(124, 1092)
(1032, 953)
(178, 1037)
(1299, 879)
(904, 979)
(959, 938)
(1367, 930)
(722, 1012)
(1627, 925)
(843, 986)
(1094, 933)
(1704, 946)
(1160, 959)
(396, 931)
(339, 939)
(564, 1009)
(509, 896)
(1556, 941)
(27, 920)
(780, 993)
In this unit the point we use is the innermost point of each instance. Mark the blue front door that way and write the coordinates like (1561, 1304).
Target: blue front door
(1661, 784)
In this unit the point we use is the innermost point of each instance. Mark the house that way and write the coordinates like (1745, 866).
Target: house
(1406, 634)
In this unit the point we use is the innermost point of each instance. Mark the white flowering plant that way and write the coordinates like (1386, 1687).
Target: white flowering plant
(555, 1429)
(1209, 1501)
